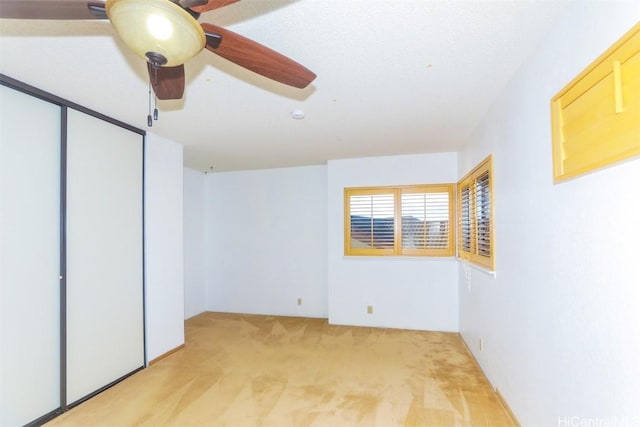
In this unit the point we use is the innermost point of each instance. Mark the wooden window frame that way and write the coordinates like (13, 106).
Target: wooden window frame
(468, 247)
(397, 249)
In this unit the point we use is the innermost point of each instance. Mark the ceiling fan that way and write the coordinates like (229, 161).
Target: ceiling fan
(166, 34)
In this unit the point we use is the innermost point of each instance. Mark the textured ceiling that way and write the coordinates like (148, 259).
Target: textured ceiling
(394, 77)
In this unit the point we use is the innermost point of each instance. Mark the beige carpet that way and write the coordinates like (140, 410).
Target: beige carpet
(248, 370)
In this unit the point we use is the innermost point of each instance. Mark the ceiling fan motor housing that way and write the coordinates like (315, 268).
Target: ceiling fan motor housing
(155, 59)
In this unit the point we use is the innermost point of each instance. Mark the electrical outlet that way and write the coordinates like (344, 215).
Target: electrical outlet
(369, 309)
(480, 345)
(299, 301)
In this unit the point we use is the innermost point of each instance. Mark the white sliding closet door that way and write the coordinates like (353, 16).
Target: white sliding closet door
(29, 257)
(104, 254)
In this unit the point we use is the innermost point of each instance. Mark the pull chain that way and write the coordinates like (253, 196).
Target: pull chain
(155, 97)
(149, 120)
(155, 110)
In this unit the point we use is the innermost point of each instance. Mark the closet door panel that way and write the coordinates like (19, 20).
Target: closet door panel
(29, 257)
(104, 254)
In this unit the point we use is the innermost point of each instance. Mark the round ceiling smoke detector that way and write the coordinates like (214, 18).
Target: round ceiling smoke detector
(297, 114)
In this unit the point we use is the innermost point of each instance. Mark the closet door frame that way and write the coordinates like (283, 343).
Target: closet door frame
(64, 106)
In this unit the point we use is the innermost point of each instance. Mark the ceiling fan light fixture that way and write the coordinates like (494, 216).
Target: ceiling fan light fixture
(157, 26)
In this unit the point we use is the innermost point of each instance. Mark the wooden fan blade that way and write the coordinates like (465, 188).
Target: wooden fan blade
(256, 57)
(167, 82)
(52, 9)
(213, 4)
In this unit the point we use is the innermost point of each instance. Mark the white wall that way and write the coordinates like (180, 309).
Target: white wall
(413, 293)
(559, 322)
(164, 278)
(266, 241)
(195, 301)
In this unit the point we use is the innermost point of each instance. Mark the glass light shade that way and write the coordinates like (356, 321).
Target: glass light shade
(157, 26)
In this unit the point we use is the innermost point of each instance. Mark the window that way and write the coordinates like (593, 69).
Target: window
(408, 220)
(475, 216)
